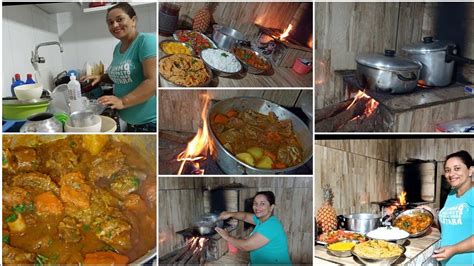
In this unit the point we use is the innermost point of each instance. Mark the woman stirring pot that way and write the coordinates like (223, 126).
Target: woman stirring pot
(133, 71)
(267, 243)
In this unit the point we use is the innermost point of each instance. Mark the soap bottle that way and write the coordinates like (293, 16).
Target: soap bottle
(29, 79)
(74, 91)
(15, 83)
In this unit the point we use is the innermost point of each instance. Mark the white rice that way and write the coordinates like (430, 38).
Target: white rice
(388, 233)
(221, 60)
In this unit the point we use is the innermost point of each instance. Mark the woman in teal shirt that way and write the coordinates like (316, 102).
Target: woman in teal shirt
(133, 71)
(267, 243)
(457, 216)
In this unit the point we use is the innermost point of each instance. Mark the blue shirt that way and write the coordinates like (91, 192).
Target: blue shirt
(457, 224)
(276, 250)
(126, 71)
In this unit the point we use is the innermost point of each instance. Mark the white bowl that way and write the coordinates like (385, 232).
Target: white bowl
(108, 124)
(95, 127)
(28, 91)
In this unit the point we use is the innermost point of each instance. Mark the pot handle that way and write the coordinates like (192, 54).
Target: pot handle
(451, 55)
(341, 221)
(412, 77)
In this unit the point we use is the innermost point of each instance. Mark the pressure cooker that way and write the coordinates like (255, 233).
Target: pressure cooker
(387, 72)
(437, 58)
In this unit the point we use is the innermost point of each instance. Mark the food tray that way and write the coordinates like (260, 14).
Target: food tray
(178, 33)
(345, 231)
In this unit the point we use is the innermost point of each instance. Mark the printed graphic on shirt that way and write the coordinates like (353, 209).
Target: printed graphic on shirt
(453, 215)
(121, 74)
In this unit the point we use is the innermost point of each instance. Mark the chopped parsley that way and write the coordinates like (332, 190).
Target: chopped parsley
(6, 239)
(11, 218)
(136, 182)
(224, 54)
(86, 227)
(4, 160)
(40, 260)
(20, 208)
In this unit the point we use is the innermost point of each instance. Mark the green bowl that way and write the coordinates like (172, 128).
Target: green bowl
(22, 111)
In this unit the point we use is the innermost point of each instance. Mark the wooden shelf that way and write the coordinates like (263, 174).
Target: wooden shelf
(102, 8)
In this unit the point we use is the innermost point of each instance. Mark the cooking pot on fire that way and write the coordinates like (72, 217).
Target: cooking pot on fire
(387, 72)
(228, 162)
(206, 224)
(226, 37)
(437, 58)
(359, 222)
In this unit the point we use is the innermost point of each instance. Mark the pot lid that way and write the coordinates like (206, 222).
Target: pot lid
(387, 61)
(427, 45)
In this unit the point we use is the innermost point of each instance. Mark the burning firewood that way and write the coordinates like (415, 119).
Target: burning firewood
(330, 111)
(335, 122)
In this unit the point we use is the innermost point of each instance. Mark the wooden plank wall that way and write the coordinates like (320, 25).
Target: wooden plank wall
(293, 208)
(425, 119)
(344, 30)
(432, 149)
(179, 203)
(180, 110)
(243, 15)
(359, 172)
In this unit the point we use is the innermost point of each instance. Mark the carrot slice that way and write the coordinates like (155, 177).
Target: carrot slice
(47, 202)
(279, 165)
(105, 258)
(221, 119)
(231, 113)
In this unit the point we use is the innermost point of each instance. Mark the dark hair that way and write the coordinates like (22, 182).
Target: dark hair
(268, 194)
(465, 157)
(126, 7)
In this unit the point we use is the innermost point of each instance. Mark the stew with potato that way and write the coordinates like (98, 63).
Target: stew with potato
(83, 199)
(258, 140)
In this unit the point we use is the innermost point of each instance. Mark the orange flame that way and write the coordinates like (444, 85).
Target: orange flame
(286, 32)
(402, 198)
(310, 42)
(197, 148)
(369, 107)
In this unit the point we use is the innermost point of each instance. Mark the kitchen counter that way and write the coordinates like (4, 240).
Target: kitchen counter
(418, 250)
(279, 77)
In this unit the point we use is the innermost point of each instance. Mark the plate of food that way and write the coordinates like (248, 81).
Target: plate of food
(180, 70)
(378, 252)
(415, 221)
(197, 40)
(255, 62)
(339, 235)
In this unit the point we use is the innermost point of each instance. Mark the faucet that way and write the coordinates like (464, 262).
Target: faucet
(35, 58)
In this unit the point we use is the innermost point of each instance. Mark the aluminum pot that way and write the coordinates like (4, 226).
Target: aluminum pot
(360, 222)
(388, 73)
(229, 163)
(42, 122)
(225, 37)
(437, 58)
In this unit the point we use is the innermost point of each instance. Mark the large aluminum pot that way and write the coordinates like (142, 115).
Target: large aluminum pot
(388, 73)
(360, 222)
(432, 54)
(229, 163)
(225, 37)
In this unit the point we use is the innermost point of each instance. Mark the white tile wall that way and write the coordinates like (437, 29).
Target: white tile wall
(84, 36)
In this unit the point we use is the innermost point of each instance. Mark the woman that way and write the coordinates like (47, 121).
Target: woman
(267, 242)
(133, 71)
(457, 216)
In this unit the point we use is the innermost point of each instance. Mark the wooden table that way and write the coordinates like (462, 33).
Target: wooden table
(418, 251)
(278, 77)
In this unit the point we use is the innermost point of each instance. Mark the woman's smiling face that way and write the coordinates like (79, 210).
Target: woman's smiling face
(456, 172)
(120, 24)
(262, 207)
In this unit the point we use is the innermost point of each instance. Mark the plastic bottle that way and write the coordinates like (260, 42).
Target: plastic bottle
(29, 79)
(17, 82)
(74, 88)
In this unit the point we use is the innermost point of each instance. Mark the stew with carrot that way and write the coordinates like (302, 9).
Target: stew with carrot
(81, 199)
(259, 140)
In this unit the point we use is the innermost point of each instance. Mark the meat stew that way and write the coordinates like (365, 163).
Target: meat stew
(86, 199)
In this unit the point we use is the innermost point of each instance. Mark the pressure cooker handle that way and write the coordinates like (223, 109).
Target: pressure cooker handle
(451, 55)
(412, 77)
(341, 221)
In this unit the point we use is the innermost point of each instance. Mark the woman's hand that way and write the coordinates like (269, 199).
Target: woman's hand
(223, 233)
(111, 101)
(444, 253)
(225, 215)
(95, 79)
